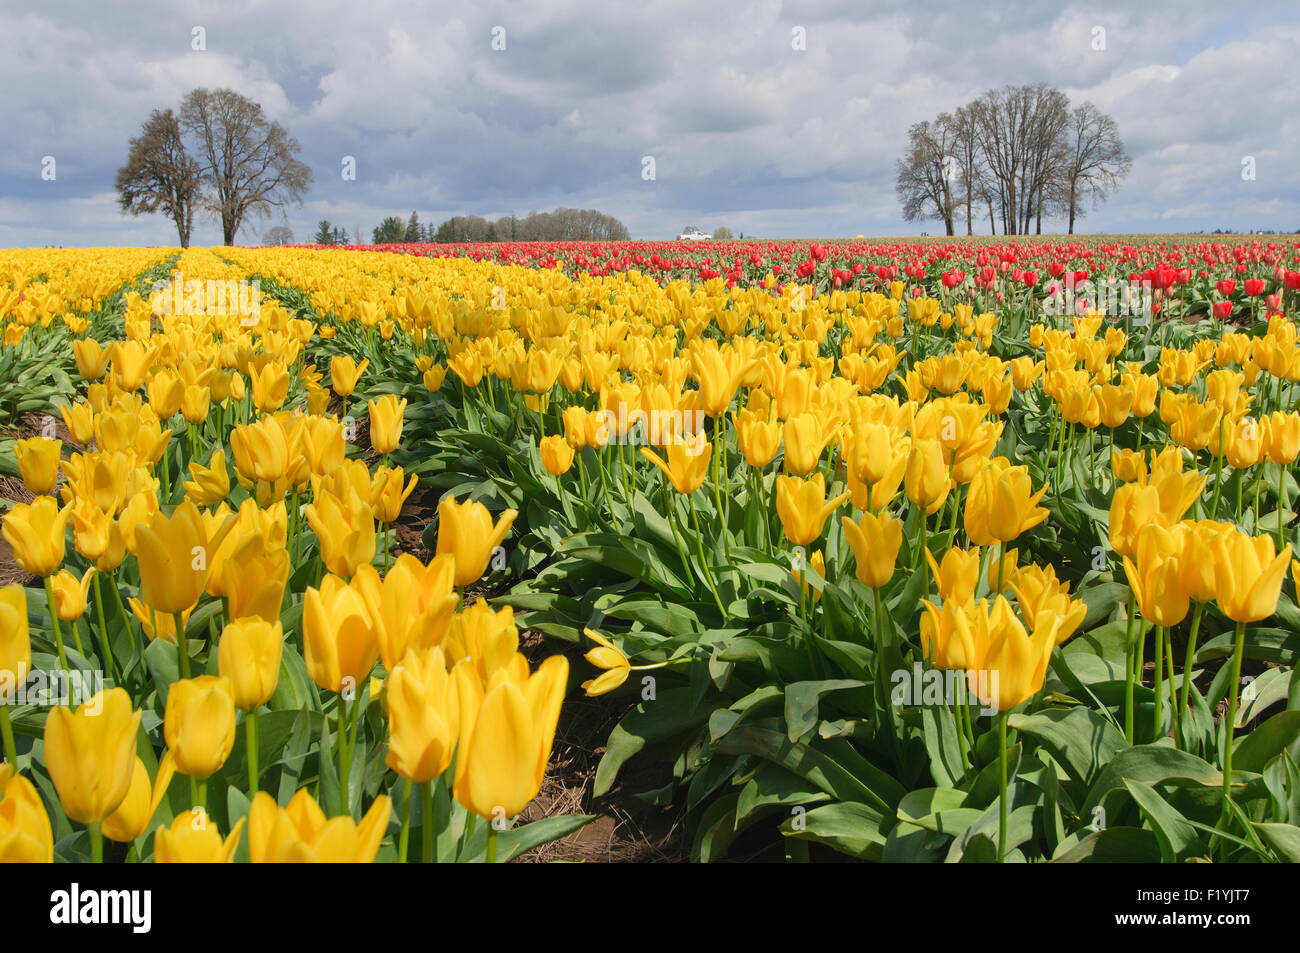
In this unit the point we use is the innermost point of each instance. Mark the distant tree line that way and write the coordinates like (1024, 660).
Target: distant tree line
(1016, 153)
(564, 224)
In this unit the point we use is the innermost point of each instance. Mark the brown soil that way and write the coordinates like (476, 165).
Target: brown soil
(625, 829)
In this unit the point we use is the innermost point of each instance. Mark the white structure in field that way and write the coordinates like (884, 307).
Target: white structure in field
(692, 234)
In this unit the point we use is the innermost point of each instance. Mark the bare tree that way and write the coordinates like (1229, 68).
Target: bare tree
(1094, 162)
(248, 163)
(967, 161)
(925, 173)
(278, 235)
(1048, 115)
(160, 175)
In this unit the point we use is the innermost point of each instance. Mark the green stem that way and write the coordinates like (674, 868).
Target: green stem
(254, 776)
(201, 794)
(1281, 502)
(54, 621)
(1188, 661)
(7, 736)
(96, 842)
(1002, 788)
(492, 844)
(699, 545)
(182, 647)
(342, 753)
(1129, 646)
(404, 839)
(426, 820)
(1158, 716)
(1173, 698)
(103, 631)
(1230, 719)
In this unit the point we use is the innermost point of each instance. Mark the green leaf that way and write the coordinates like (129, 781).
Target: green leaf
(1279, 733)
(1080, 739)
(651, 721)
(860, 781)
(1114, 844)
(773, 786)
(803, 699)
(849, 827)
(1178, 839)
(1150, 764)
(1284, 839)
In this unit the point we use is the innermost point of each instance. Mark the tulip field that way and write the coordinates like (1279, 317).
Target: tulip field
(921, 551)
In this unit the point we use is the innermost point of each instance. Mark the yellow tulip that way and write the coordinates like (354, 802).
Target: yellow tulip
(249, 656)
(133, 815)
(759, 438)
(1157, 586)
(806, 436)
(211, 484)
(466, 531)
(15, 641)
(411, 608)
(605, 656)
(926, 479)
(1010, 662)
(166, 391)
(25, 833)
(687, 464)
(423, 716)
(324, 444)
(339, 640)
(35, 531)
(199, 724)
(947, 640)
(1129, 466)
(1001, 505)
(270, 387)
(265, 451)
(38, 463)
(174, 555)
(91, 360)
(1197, 568)
(386, 423)
(300, 833)
(1250, 574)
(194, 839)
(875, 541)
(557, 455)
(70, 593)
(90, 754)
(345, 528)
(957, 574)
(195, 403)
(1282, 437)
(387, 495)
(156, 625)
(488, 641)
(344, 374)
(803, 508)
(80, 421)
(503, 755)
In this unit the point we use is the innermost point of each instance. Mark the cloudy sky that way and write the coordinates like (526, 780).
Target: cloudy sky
(744, 129)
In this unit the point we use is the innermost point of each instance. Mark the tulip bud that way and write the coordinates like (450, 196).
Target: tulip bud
(90, 754)
(194, 839)
(38, 463)
(199, 724)
(249, 655)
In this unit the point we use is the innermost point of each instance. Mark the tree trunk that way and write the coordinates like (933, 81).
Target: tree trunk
(1071, 208)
